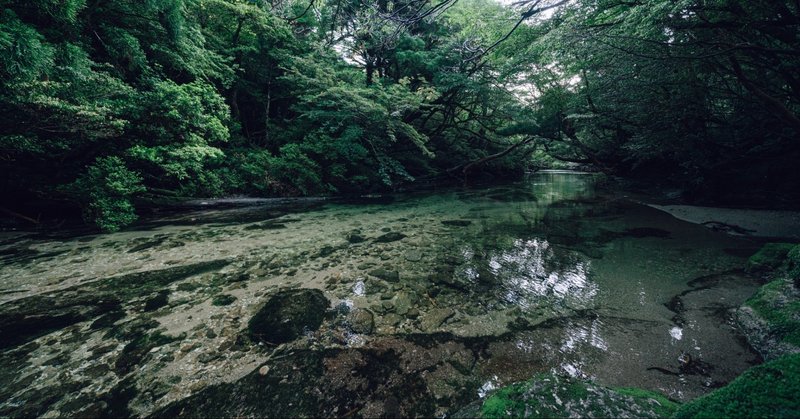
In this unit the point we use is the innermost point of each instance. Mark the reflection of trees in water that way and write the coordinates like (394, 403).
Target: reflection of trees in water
(530, 274)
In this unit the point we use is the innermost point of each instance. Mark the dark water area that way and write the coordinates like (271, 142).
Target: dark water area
(404, 305)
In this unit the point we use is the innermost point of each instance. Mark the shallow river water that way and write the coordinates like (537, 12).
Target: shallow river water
(411, 305)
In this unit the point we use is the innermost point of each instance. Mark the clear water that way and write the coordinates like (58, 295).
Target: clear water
(482, 287)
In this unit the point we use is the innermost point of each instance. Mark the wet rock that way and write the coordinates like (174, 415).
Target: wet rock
(434, 318)
(263, 370)
(188, 347)
(207, 357)
(457, 223)
(392, 319)
(413, 256)
(385, 274)
(450, 280)
(237, 277)
(326, 251)
(286, 315)
(361, 321)
(389, 237)
(223, 300)
(403, 302)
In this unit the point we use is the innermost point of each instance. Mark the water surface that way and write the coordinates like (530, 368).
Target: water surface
(435, 299)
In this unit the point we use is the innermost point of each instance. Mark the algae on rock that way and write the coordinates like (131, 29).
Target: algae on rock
(549, 395)
(767, 390)
(771, 318)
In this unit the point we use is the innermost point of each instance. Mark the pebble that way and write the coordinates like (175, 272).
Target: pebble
(264, 370)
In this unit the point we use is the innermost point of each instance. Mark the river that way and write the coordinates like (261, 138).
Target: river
(398, 305)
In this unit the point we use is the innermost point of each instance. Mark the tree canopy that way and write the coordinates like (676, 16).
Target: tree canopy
(105, 105)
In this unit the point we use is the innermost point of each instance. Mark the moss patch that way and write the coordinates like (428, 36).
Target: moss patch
(775, 302)
(506, 402)
(555, 396)
(771, 318)
(768, 390)
(769, 257)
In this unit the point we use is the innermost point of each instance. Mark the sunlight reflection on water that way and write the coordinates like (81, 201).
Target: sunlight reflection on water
(531, 273)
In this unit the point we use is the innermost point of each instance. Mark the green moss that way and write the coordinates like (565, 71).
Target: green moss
(505, 403)
(663, 406)
(792, 264)
(774, 304)
(767, 390)
(769, 257)
(549, 395)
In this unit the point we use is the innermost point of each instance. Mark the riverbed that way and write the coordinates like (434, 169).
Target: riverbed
(398, 305)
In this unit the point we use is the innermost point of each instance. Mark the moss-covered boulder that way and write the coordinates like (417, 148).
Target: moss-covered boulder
(768, 390)
(548, 395)
(287, 315)
(771, 318)
(769, 257)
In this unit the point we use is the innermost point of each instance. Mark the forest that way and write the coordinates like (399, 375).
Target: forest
(108, 106)
(400, 208)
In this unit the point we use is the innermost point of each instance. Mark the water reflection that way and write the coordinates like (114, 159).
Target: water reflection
(581, 335)
(531, 273)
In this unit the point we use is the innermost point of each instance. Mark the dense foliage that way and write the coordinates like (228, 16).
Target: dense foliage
(705, 92)
(105, 105)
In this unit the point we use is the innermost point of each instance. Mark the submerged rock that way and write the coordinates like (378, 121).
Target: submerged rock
(361, 321)
(391, 236)
(223, 300)
(457, 223)
(413, 256)
(434, 318)
(355, 237)
(286, 315)
(386, 275)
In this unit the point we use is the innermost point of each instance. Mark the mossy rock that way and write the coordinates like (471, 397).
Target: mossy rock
(767, 390)
(777, 302)
(769, 257)
(287, 315)
(549, 395)
(771, 318)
